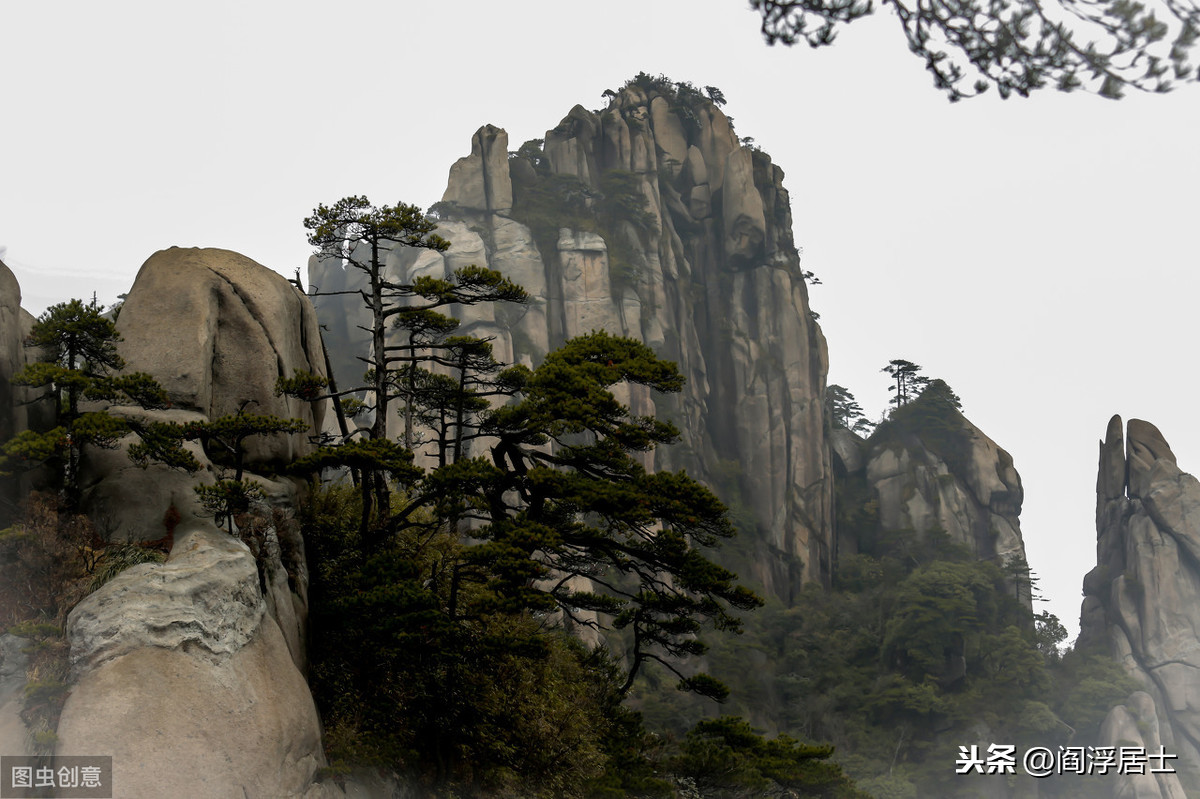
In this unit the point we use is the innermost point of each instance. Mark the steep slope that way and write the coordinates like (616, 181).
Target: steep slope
(930, 469)
(650, 219)
(207, 648)
(16, 412)
(1142, 600)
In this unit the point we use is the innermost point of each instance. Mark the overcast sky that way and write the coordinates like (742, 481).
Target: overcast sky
(1036, 254)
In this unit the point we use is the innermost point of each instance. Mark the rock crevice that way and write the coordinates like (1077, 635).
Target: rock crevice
(1142, 600)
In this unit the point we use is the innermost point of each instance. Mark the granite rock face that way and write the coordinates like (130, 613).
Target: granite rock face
(14, 735)
(12, 360)
(12, 353)
(216, 329)
(651, 220)
(186, 680)
(1143, 600)
(191, 672)
(967, 487)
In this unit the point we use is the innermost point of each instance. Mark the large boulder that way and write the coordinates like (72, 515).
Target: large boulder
(1142, 601)
(480, 181)
(183, 676)
(963, 484)
(216, 330)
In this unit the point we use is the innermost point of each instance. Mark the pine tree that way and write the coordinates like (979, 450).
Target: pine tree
(909, 381)
(78, 360)
(1017, 45)
(361, 235)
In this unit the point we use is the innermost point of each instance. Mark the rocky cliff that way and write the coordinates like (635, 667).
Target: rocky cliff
(216, 330)
(15, 325)
(1142, 601)
(190, 673)
(12, 355)
(930, 469)
(651, 219)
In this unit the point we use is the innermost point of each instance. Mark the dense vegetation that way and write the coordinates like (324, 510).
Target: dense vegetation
(917, 649)
(445, 586)
(514, 619)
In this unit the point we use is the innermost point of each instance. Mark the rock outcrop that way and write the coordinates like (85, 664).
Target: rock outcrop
(14, 735)
(15, 409)
(183, 676)
(1142, 600)
(216, 330)
(12, 352)
(650, 219)
(964, 485)
(191, 673)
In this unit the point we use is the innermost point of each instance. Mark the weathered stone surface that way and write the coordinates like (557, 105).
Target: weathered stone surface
(216, 329)
(481, 181)
(1110, 483)
(128, 502)
(187, 681)
(585, 289)
(180, 724)
(734, 318)
(12, 352)
(1136, 724)
(742, 210)
(206, 597)
(977, 500)
(1145, 446)
(847, 447)
(668, 136)
(14, 736)
(1143, 599)
(13, 417)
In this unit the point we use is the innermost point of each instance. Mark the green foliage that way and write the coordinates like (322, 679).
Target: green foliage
(136, 388)
(453, 623)
(931, 420)
(303, 385)
(843, 410)
(1018, 46)
(224, 439)
(363, 453)
(78, 347)
(916, 644)
(725, 758)
(617, 209)
(909, 382)
(360, 235)
(118, 557)
(1089, 684)
(354, 219)
(463, 700)
(78, 338)
(226, 499)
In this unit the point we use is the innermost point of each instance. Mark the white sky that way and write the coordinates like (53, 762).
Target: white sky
(1035, 254)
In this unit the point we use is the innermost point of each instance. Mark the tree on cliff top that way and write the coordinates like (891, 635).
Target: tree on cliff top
(1018, 45)
(361, 235)
(909, 381)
